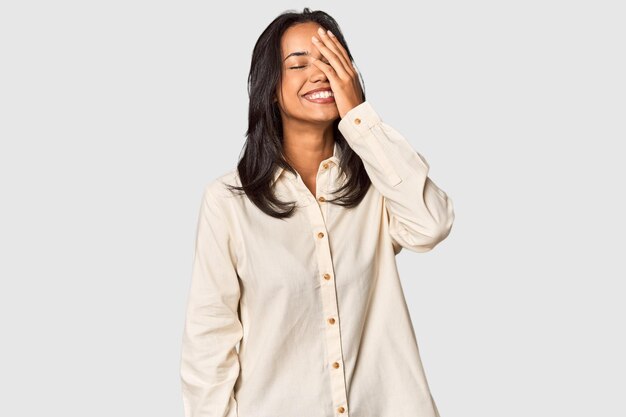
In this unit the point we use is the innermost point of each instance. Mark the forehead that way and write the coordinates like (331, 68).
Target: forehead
(298, 38)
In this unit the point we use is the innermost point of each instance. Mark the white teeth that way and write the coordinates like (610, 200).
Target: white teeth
(322, 94)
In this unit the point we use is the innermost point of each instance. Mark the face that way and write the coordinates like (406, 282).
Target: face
(299, 76)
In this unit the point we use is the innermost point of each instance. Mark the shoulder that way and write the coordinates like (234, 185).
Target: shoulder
(218, 186)
(217, 193)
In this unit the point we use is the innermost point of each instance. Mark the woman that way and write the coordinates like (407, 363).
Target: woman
(308, 288)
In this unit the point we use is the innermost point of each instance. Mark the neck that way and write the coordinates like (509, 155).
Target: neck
(306, 146)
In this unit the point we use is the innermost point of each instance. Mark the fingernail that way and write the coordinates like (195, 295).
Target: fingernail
(320, 31)
(314, 39)
(331, 34)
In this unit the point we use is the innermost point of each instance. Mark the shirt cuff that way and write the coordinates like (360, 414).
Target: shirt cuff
(359, 119)
(363, 129)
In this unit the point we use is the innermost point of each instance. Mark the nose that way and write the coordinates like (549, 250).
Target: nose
(317, 74)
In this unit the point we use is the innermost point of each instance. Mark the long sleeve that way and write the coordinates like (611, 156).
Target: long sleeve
(420, 213)
(209, 364)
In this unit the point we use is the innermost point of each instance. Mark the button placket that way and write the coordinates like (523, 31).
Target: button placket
(329, 308)
(331, 184)
(323, 179)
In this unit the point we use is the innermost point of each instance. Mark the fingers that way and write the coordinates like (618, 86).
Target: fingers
(330, 72)
(336, 63)
(331, 44)
(342, 50)
(340, 72)
(329, 49)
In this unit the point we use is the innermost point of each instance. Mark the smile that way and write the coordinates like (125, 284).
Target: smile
(322, 97)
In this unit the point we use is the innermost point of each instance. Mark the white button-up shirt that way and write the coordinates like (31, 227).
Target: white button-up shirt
(306, 316)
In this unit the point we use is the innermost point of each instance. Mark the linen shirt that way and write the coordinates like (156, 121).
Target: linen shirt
(306, 316)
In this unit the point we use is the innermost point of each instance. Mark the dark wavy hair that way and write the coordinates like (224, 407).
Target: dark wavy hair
(263, 148)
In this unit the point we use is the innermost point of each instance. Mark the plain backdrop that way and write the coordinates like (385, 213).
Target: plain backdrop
(115, 114)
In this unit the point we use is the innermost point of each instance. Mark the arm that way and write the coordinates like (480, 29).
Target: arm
(209, 363)
(420, 213)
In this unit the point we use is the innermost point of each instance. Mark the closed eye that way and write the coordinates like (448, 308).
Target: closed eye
(302, 66)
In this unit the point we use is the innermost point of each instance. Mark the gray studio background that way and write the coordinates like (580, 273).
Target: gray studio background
(114, 115)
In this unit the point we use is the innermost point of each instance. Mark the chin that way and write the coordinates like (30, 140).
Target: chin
(327, 116)
(326, 110)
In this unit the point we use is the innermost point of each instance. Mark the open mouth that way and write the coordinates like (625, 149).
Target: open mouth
(321, 97)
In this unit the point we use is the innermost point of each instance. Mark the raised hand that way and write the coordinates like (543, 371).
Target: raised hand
(342, 76)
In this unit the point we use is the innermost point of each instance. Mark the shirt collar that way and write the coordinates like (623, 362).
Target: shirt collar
(335, 159)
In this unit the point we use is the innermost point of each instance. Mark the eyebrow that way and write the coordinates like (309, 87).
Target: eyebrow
(297, 53)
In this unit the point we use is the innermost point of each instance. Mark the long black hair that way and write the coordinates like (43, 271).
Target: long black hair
(263, 149)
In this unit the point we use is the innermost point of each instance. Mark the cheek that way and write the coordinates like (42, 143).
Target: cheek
(292, 85)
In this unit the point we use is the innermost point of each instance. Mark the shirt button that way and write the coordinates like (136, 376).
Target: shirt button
(325, 165)
(322, 199)
(357, 121)
(320, 235)
(326, 276)
(331, 320)
(341, 409)
(335, 365)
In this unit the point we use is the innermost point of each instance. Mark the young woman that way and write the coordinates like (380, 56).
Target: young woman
(296, 308)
